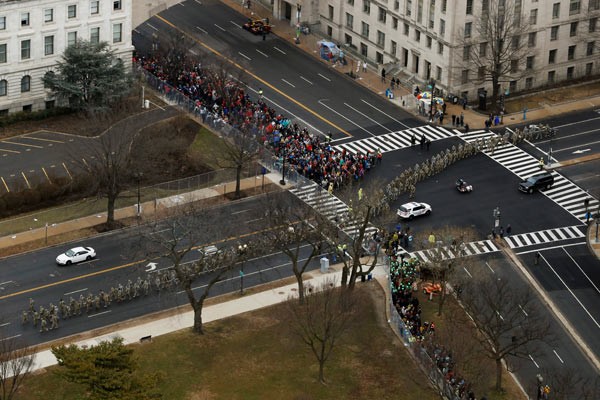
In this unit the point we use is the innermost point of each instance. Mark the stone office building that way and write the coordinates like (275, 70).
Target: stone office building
(35, 33)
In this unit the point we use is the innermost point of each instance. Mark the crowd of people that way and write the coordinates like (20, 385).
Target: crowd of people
(221, 101)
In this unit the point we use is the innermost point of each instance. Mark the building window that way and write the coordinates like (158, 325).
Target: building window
(419, 11)
(406, 29)
(364, 50)
(71, 38)
(3, 57)
(469, 7)
(348, 39)
(588, 68)
(556, 10)
(529, 62)
(380, 39)
(329, 31)
(574, 7)
(95, 35)
(594, 5)
(408, 8)
(95, 7)
(516, 42)
(393, 48)
(590, 48)
(48, 45)
(592, 24)
(466, 53)
(379, 57)
(514, 66)
(367, 6)
(528, 83)
(3, 87)
(533, 16)
(573, 30)
(512, 86)
(571, 53)
(554, 33)
(444, 5)
(25, 49)
(481, 73)
(468, 27)
(25, 84)
(48, 15)
(350, 2)
(72, 11)
(349, 21)
(485, 6)
(382, 16)
(464, 76)
(365, 29)
(2, 23)
(25, 19)
(442, 27)
(552, 56)
(531, 39)
(551, 76)
(438, 73)
(117, 33)
(429, 41)
(483, 49)
(395, 23)
(117, 5)
(418, 35)
(570, 72)
(330, 10)
(396, 5)
(440, 48)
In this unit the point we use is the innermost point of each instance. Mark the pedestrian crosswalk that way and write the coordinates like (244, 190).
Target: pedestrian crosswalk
(331, 207)
(395, 140)
(564, 192)
(444, 253)
(545, 236)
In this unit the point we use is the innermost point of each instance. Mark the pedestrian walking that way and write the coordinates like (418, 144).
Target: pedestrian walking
(428, 143)
(36, 318)
(541, 163)
(383, 75)
(413, 139)
(24, 317)
(364, 65)
(508, 230)
(44, 325)
(462, 118)
(422, 141)
(453, 119)
(537, 257)
(31, 305)
(466, 128)
(54, 320)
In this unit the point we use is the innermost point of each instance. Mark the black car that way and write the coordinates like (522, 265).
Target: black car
(539, 181)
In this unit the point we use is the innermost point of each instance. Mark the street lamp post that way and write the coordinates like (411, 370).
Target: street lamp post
(138, 178)
(432, 86)
(282, 181)
(242, 249)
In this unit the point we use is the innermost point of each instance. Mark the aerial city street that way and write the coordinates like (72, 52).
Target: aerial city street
(527, 191)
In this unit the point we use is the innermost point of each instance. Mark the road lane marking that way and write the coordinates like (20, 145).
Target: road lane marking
(305, 80)
(523, 311)
(4, 324)
(245, 56)
(387, 115)
(97, 314)
(367, 117)
(10, 337)
(152, 26)
(346, 118)
(577, 122)
(4, 183)
(253, 220)
(26, 181)
(262, 53)
(557, 356)
(467, 271)
(288, 83)
(584, 274)
(43, 139)
(536, 364)
(11, 151)
(45, 173)
(279, 50)
(193, 52)
(490, 268)
(75, 291)
(23, 144)
(575, 147)
(235, 24)
(68, 173)
(202, 30)
(324, 77)
(215, 25)
(239, 212)
(570, 291)
(253, 75)
(550, 248)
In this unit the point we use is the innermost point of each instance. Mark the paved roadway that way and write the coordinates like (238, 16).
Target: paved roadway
(121, 258)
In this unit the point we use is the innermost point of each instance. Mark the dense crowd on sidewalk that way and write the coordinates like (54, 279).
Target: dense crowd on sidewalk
(219, 100)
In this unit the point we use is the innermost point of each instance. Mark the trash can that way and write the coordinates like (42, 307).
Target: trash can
(324, 265)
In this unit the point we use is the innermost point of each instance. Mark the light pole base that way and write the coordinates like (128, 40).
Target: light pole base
(282, 182)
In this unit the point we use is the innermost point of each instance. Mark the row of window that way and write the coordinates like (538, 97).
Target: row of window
(25, 85)
(49, 42)
(25, 16)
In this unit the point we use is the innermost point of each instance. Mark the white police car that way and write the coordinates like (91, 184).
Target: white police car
(413, 209)
(76, 255)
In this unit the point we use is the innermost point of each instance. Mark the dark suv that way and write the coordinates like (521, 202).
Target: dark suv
(536, 182)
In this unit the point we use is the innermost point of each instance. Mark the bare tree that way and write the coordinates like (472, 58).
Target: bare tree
(186, 232)
(509, 319)
(321, 320)
(495, 45)
(16, 364)
(568, 383)
(294, 226)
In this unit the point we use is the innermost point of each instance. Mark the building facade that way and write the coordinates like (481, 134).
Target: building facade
(35, 33)
(558, 40)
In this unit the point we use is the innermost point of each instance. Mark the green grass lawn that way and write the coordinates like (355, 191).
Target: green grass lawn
(257, 356)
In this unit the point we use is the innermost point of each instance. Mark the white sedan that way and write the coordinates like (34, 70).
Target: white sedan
(413, 209)
(76, 255)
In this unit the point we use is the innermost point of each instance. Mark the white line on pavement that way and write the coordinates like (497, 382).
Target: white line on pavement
(467, 271)
(253, 220)
(100, 313)
(536, 364)
(367, 117)
(306, 80)
(288, 83)
(575, 147)
(523, 311)
(245, 56)
(387, 115)
(236, 24)
(10, 337)
(557, 356)
(150, 25)
(346, 118)
(220, 27)
(279, 50)
(239, 212)
(550, 248)
(264, 54)
(4, 283)
(491, 269)
(202, 30)
(577, 122)
(76, 291)
(4, 324)
(588, 278)
(324, 77)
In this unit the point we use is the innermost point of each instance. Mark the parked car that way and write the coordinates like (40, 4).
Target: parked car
(413, 209)
(539, 181)
(76, 255)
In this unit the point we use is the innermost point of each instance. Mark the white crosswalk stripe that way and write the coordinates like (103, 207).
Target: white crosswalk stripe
(545, 236)
(564, 192)
(330, 206)
(444, 253)
(396, 140)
